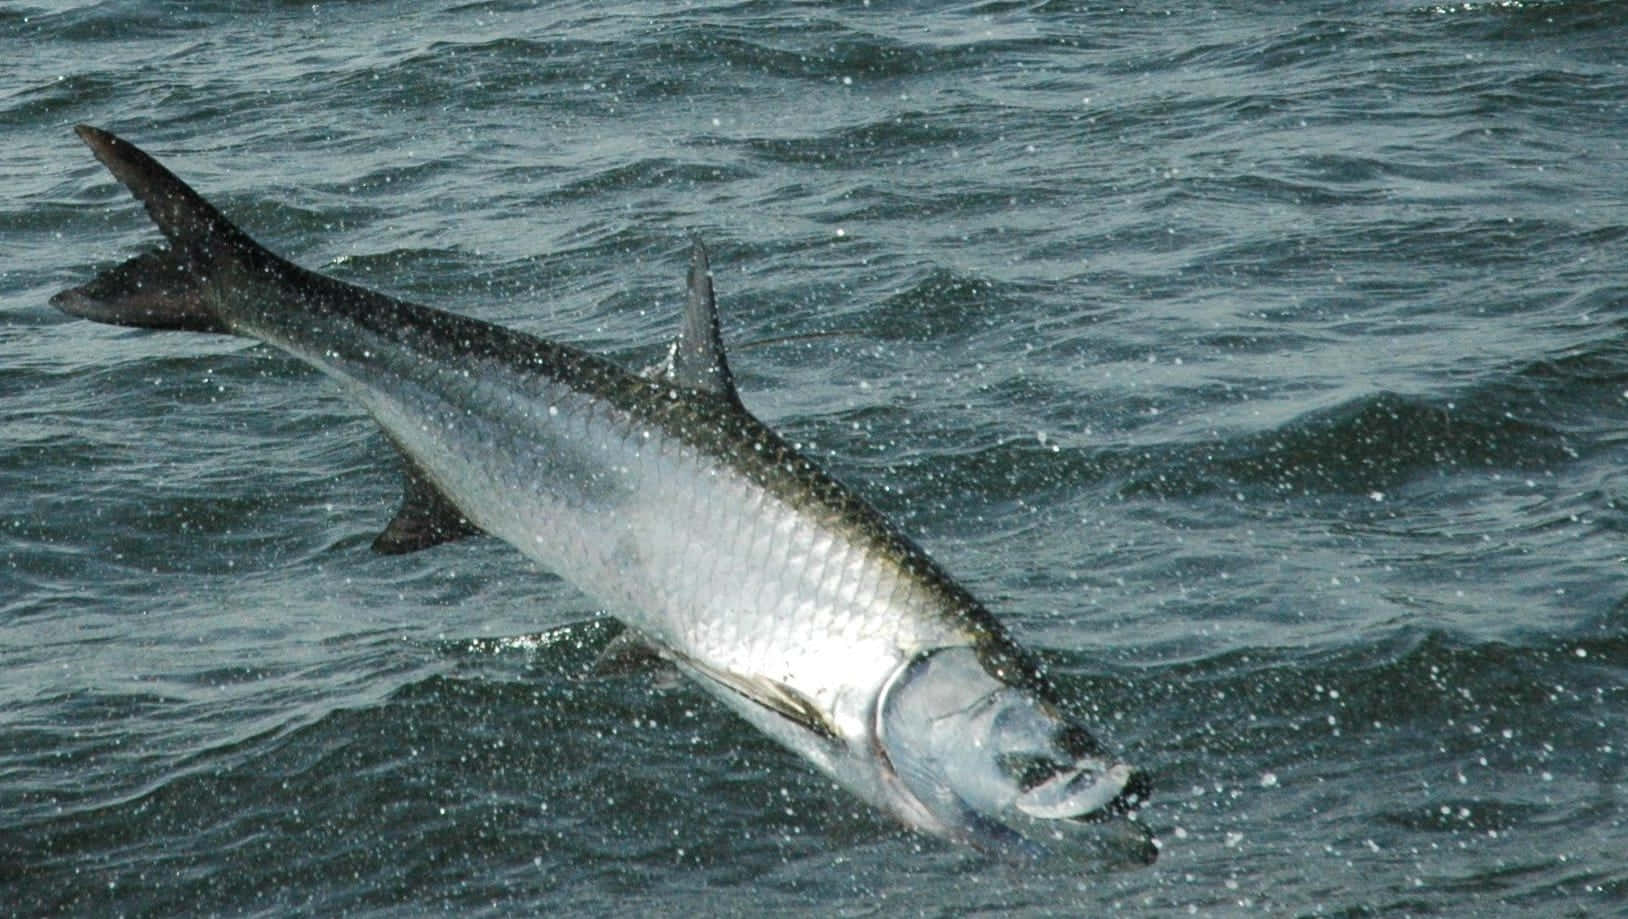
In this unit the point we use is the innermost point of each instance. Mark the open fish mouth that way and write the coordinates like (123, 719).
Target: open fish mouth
(999, 766)
(1083, 793)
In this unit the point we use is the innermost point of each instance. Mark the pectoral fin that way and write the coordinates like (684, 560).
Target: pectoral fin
(771, 694)
(630, 652)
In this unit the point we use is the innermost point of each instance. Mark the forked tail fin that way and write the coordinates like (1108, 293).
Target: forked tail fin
(166, 288)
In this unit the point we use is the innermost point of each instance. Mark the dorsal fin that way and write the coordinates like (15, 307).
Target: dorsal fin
(426, 518)
(698, 354)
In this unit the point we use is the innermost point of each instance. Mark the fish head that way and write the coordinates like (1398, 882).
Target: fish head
(994, 765)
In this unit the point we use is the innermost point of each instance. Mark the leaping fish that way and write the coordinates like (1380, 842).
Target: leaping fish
(721, 548)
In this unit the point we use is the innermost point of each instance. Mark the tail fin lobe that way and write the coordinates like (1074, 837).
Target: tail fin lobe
(182, 214)
(154, 290)
(166, 288)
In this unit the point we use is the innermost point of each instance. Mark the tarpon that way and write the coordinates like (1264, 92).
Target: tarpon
(723, 550)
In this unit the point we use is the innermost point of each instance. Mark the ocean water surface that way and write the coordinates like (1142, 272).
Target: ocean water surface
(1264, 366)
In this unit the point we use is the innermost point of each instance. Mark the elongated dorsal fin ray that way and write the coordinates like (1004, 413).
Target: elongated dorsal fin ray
(698, 355)
(426, 518)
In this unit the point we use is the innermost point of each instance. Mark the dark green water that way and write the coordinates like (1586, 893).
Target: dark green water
(1267, 367)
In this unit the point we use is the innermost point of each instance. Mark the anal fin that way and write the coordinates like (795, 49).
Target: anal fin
(426, 518)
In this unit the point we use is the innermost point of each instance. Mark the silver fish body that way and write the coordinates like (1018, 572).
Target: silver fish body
(717, 544)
